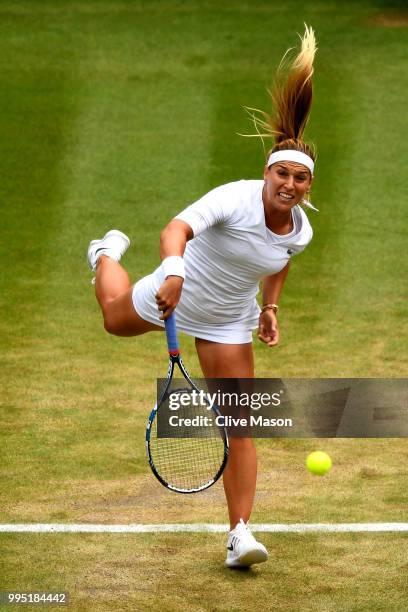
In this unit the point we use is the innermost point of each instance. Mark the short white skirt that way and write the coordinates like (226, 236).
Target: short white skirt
(224, 332)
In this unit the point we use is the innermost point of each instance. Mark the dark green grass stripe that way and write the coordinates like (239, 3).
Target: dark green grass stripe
(37, 108)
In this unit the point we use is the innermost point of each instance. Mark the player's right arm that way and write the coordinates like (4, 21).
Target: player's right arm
(174, 237)
(214, 207)
(173, 240)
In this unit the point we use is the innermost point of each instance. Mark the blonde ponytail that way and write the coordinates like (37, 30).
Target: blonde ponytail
(291, 99)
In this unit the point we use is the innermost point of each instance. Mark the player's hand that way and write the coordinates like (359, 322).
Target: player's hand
(168, 295)
(268, 331)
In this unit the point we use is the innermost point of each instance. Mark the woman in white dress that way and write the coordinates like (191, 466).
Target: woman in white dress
(214, 255)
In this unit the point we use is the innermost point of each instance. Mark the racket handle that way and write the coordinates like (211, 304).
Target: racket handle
(171, 333)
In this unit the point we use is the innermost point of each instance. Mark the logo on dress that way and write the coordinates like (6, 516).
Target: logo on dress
(289, 251)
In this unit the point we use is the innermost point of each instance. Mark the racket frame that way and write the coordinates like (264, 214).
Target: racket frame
(175, 358)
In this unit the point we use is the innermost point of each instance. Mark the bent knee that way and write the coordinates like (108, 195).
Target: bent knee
(110, 326)
(115, 317)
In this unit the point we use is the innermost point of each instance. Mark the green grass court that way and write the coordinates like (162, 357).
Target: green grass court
(119, 114)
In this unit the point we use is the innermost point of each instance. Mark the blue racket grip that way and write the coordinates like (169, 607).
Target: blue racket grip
(171, 333)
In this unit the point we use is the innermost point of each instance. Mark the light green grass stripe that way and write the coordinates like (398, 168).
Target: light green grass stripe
(202, 528)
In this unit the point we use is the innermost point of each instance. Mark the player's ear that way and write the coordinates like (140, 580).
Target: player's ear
(266, 172)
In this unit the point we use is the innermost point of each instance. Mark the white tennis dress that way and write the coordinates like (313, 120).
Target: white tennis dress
(232, 250)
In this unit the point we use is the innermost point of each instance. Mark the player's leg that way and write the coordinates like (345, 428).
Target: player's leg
(113, 288)
(233, 361)
(236, 361)
(113, 291)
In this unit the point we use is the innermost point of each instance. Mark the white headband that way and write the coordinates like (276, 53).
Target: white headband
(291, 155)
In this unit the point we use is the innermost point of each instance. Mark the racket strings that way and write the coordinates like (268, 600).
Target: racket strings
(187, 464)
(193, 457)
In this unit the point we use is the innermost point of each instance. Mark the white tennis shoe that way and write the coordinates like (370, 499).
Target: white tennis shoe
(243, 549)
(114, 244)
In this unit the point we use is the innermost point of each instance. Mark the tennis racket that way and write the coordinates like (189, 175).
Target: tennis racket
(195, 459)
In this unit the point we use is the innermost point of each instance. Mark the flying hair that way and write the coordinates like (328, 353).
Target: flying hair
(291, 97)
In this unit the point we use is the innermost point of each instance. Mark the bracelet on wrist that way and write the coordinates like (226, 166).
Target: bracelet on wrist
(273, 307)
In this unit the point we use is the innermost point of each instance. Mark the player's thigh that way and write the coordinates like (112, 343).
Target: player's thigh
(225, 360)
(121, 318)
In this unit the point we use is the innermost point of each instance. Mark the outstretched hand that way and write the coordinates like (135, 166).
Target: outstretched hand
(168, 295)
(268, 331)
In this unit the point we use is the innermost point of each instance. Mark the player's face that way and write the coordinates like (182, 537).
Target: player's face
(286, 184)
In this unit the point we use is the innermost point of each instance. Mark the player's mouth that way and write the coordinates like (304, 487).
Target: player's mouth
(286, 197)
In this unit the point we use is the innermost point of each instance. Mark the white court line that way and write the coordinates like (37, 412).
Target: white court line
(201, 528)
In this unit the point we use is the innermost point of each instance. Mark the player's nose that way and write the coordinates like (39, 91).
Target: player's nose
(289, 182)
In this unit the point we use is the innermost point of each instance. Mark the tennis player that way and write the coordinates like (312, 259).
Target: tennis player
(214, 255)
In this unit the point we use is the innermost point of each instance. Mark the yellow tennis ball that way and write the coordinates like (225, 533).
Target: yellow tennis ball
(318, 463)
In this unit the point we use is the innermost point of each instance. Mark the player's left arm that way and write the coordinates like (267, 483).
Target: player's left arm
(272, 285)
